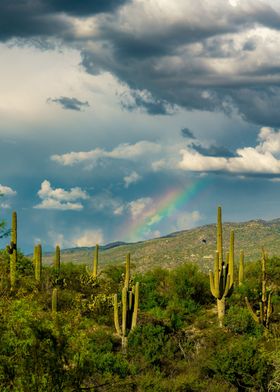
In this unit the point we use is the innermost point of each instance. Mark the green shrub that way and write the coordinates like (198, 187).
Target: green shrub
(241, 363)
(150, 340)
(238, 320)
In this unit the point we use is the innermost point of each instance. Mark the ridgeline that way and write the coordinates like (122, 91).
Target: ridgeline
(195, 245)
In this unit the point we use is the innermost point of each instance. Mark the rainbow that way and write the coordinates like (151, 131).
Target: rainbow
(164, 207)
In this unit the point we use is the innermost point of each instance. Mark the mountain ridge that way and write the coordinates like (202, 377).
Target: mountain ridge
(190, 245)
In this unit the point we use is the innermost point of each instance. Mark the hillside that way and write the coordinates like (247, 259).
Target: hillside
(196, 245)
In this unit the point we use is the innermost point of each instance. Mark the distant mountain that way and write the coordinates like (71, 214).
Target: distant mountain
(195, 245)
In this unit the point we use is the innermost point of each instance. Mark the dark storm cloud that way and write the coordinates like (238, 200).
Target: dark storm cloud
(21, 19)
(213, 151)
(207, 59)
(146, 102)
(84, 7)
(69, 103)
(185, 132)
(174, 61)
(259, 105)
(29, 18)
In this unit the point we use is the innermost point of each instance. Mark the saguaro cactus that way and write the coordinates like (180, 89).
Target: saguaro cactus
(38, 262)
(57, 257)
(130, 303)
(95, 261)
(221, 280)
(262, 316)
(241, 268)
(12, 250)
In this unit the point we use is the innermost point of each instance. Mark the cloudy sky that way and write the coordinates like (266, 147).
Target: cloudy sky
(130, 119)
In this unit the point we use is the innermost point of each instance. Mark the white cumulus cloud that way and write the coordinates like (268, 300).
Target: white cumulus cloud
(122, 151)
(261, 159)
(60, 199)
(7, 191)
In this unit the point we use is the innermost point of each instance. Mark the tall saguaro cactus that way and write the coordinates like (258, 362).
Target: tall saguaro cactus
(221, 280)
(38, 262)
(241, 268)
(130, 304)
(12, 250)
(57, 257)
(95, 261)
(265, 307)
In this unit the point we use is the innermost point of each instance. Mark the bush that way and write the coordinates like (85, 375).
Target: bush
(241, 363)
(239, 320)
(150, 340)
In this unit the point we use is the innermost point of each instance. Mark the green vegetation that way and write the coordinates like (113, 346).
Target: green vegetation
(62, 332)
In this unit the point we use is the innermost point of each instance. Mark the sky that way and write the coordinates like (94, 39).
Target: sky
(125, 120)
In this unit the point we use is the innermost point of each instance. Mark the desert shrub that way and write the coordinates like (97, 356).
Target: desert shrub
(31, 351)
(151, 341)
(239, 320)
(154, 289)
(274, 383)
(93, 360)
(241, 363)
(188, 283)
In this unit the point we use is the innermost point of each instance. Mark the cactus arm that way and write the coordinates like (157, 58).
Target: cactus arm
(136, 305)
(253, 314)
(116, 315)
(124, 310)
(130, 299)
(216, 271)
(222, 282)
(227, 286)
(212, 285)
